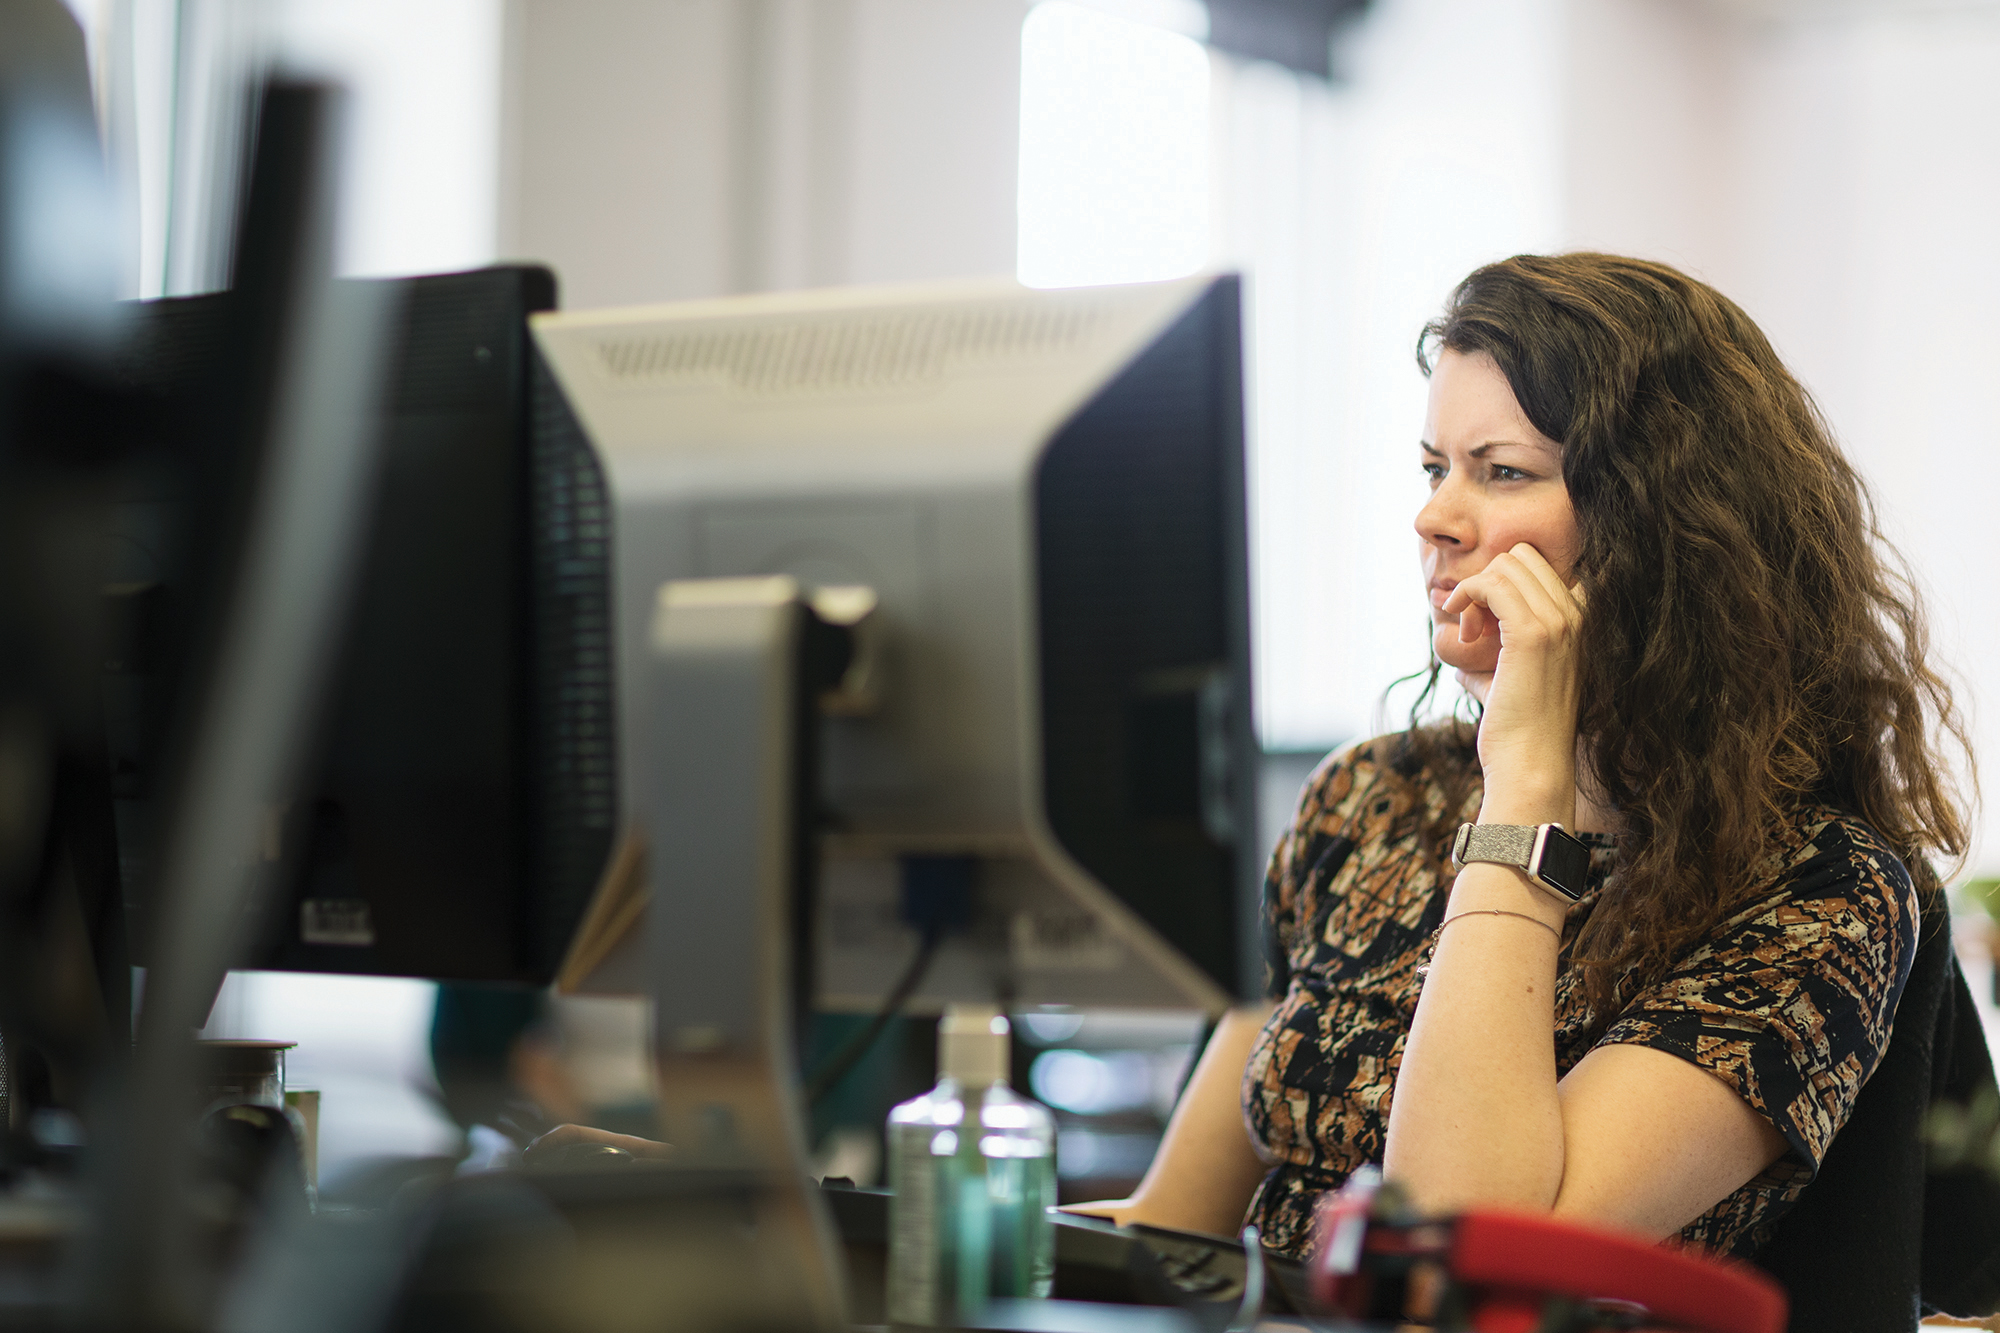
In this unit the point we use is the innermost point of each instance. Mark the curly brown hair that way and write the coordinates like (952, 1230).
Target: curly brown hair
(1749, 642)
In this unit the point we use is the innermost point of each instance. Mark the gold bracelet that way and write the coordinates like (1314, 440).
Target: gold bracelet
(1430, 945)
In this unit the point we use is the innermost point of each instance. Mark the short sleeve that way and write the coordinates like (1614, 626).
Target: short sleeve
(1790, 1000)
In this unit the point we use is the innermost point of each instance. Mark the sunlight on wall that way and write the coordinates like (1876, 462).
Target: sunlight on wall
(1114, 149)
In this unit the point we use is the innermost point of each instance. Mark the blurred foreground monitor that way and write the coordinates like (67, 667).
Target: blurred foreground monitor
(461, 801)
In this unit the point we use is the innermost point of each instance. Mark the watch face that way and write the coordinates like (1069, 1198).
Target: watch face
(1564, 863)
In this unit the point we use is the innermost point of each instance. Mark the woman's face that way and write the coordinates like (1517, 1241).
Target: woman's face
(1495, 481)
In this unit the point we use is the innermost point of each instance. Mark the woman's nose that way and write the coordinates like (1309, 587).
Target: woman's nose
(1445, 519)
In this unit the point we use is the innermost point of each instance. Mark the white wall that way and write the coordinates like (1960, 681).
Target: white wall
(615, 163)
(1648, 120)
(665, 149)
(1833, 172)
(935, 139)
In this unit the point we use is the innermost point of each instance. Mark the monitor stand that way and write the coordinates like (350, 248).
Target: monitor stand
(729, 693)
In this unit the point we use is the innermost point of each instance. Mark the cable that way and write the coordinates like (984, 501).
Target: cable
(841, 1063)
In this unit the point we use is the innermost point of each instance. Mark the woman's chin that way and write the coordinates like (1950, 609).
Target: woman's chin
(1474, 659)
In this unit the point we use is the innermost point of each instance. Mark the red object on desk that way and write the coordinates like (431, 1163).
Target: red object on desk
(1536, 1257)
(1506, 1270)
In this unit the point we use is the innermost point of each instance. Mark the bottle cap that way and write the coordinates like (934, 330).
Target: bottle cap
(972, 1044)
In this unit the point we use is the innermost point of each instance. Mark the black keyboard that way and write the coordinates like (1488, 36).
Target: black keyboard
(1096, 1260)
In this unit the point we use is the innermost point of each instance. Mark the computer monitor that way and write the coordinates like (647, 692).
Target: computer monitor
(463, 797)
(1045, 490)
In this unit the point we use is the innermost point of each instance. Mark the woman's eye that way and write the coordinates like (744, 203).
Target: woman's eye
(1501, 472)
(1435, 471)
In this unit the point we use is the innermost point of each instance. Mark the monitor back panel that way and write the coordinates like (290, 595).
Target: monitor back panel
(1045, 491)
(460, 808)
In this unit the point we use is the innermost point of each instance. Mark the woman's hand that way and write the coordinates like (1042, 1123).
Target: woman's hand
(562, 1136)
(1527, 740)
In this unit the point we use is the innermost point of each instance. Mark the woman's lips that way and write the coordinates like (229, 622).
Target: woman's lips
(1440, 589)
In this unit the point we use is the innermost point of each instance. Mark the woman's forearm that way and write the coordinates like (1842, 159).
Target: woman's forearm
(1475, 1118)
(1202, 1177)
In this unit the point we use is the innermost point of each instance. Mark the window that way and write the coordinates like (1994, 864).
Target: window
(1114, 149)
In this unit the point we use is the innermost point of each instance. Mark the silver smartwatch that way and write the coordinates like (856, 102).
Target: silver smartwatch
(1552, 858)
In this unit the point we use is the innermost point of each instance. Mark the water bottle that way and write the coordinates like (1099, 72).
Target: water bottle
(972, 1165)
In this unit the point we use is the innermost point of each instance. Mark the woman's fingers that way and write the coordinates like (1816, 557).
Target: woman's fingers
(1474, 622)
(1567, 598)
(1527, 732)
(1513, 593)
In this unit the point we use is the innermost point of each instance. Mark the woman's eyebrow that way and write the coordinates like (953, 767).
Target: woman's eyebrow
(1481, 450)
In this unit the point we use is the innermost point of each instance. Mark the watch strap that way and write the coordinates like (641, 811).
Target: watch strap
(1547, 852)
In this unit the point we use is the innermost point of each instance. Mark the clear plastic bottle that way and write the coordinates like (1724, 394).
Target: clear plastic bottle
(1017, 1145)
(923, 1175)
(970, 1217)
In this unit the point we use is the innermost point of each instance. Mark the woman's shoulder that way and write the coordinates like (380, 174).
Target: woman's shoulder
(1821, 850)
(1404, 770)
(1833, 881)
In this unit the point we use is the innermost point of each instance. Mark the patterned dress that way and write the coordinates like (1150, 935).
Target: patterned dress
(1789, 999)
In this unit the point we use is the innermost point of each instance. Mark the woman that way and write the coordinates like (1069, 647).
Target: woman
(1649, 563)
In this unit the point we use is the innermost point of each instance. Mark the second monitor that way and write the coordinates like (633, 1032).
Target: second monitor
(1045, 490)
